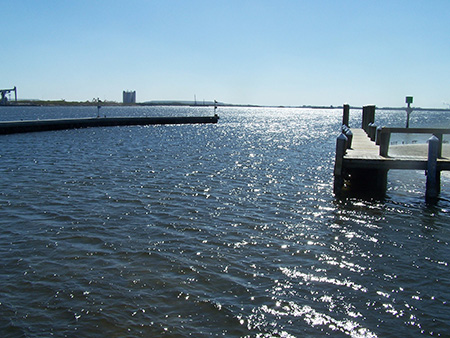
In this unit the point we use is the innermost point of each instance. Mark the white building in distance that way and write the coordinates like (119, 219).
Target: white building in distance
(129, 97)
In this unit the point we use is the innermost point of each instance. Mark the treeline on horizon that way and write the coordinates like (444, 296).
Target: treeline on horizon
(97, 102)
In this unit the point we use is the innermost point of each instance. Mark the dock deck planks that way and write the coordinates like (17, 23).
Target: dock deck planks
(365, 154)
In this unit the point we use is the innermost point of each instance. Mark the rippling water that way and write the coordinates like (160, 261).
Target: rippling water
(213, 230)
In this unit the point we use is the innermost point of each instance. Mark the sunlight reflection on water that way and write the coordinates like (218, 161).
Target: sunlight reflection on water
(227, 229)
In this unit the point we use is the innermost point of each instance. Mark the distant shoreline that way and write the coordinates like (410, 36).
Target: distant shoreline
(62, 103)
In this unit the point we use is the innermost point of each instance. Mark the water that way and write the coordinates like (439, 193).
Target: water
(213, 230)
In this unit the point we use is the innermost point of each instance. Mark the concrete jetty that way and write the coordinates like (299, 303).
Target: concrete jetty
(12, 127)
(363, 157)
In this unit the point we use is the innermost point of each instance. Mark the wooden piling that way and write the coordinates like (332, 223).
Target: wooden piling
(349, 136)
(381, 185)
(378, 135)
(433, 174)
(341, 145)
(385, 138)
(348, 133)
(368, 181)
(368, 117)
(364, 118)
(372, 131)
(346, 115)
(439, 136)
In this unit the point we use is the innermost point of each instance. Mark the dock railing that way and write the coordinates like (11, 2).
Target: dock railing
(383, 136)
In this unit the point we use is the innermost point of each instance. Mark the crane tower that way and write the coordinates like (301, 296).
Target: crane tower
(3, 92)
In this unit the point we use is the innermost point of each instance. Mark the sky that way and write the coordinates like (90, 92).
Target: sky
(280, 52)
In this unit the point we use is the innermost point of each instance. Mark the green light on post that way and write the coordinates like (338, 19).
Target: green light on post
(409, 100)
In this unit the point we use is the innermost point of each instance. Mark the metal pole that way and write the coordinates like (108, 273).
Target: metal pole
(408, 113)
(409, 100)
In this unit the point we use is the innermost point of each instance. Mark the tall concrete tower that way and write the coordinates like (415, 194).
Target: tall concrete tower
(129, 96)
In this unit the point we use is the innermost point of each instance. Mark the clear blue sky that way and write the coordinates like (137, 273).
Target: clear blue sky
(276, 52)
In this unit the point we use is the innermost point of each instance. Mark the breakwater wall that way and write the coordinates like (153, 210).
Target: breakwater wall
(13, 127)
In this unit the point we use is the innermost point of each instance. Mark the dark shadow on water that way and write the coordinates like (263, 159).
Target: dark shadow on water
(349, 196)
(427, 206)
(362, 190)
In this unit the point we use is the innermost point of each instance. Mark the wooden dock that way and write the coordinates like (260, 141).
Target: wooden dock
(12, 127)
(364, 156)
(364, 153)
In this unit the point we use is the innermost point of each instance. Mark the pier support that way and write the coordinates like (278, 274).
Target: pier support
(433, 185)
(385, 139)
(440, 138)
(348, 133)
(368, 116)
(341, 146)
(371, 182)
(372, 131)
(346, 115)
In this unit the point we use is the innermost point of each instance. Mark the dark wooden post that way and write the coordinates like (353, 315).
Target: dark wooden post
(372, 131)
(346, 115)
(439, 136)
(378, 135)
(371, 115)
(385, 138)
(368, 116)
(433, 175)
(369, 128)
(349, 135)
(364, 118)
(341, 145)
(382, 181)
